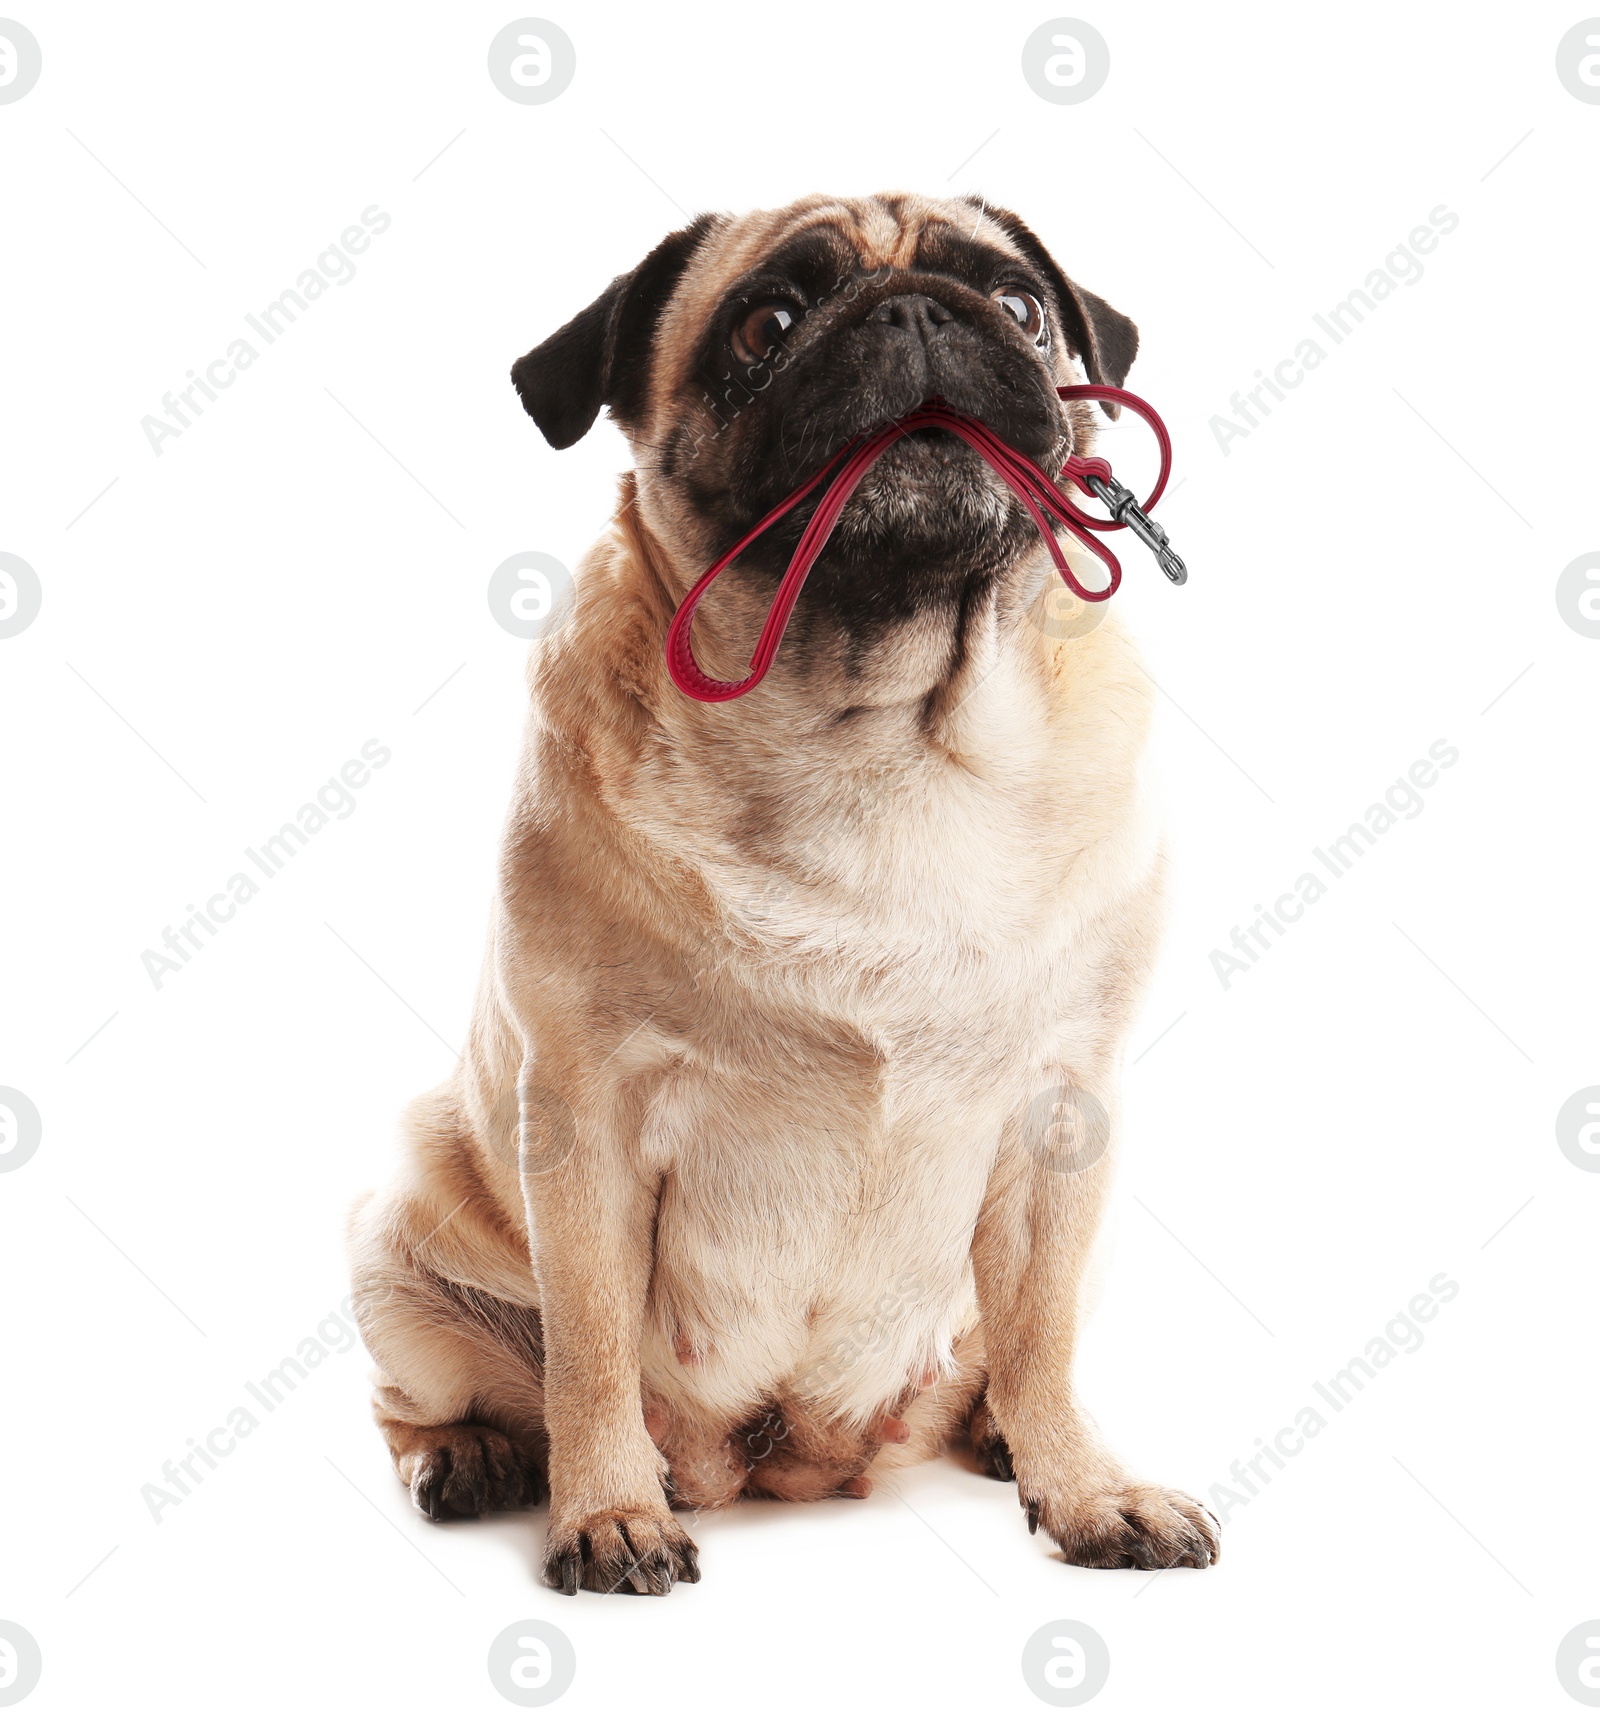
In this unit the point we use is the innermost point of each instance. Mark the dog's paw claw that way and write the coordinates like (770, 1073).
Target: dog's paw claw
(1134, 1526)
(467, 1470)
(994, 1459)
(643, 1550)
(989, 1445)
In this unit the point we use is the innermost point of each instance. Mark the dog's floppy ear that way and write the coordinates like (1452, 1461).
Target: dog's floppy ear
(602, 357)
(1105, 339)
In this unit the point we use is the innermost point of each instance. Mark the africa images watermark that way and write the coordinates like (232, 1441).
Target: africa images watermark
(1403, 1334)
(333, 268)
(335, 801)
(1403, 798)
(335, 1334)
(869, 1337)
(1402, 268)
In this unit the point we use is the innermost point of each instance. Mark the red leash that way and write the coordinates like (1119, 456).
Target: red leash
(1037, 491)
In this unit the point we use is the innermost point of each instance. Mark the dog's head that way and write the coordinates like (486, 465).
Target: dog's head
(742, 352)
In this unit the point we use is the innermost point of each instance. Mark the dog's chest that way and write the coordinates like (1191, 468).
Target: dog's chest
(902, 989)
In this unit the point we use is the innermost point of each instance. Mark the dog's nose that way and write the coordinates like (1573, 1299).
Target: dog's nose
(916, 314)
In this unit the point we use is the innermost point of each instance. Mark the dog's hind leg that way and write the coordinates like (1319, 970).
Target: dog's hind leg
(459, 1395)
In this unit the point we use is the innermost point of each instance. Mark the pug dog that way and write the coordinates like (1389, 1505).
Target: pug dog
(788, 1112)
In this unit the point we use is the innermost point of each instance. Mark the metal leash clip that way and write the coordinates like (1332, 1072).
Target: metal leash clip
(1123, 506)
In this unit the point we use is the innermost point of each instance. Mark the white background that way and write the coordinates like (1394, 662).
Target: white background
(223, 627)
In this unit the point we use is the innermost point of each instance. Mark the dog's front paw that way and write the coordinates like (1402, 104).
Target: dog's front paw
(643, 1549)
(1125, 1525)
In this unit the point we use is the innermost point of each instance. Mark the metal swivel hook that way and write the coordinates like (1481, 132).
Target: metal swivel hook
(1122, 506)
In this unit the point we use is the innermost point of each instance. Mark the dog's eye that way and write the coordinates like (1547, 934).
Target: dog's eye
(1028, 313)
(759, 331)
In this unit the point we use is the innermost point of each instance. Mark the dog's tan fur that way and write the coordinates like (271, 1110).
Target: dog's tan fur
(775, 992)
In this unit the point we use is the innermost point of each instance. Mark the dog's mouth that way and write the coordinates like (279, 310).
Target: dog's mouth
(928, 451)
(933, 469)
(930, 444)
(929, 493)
(934, 464)
(937, 455)
(927, 501)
